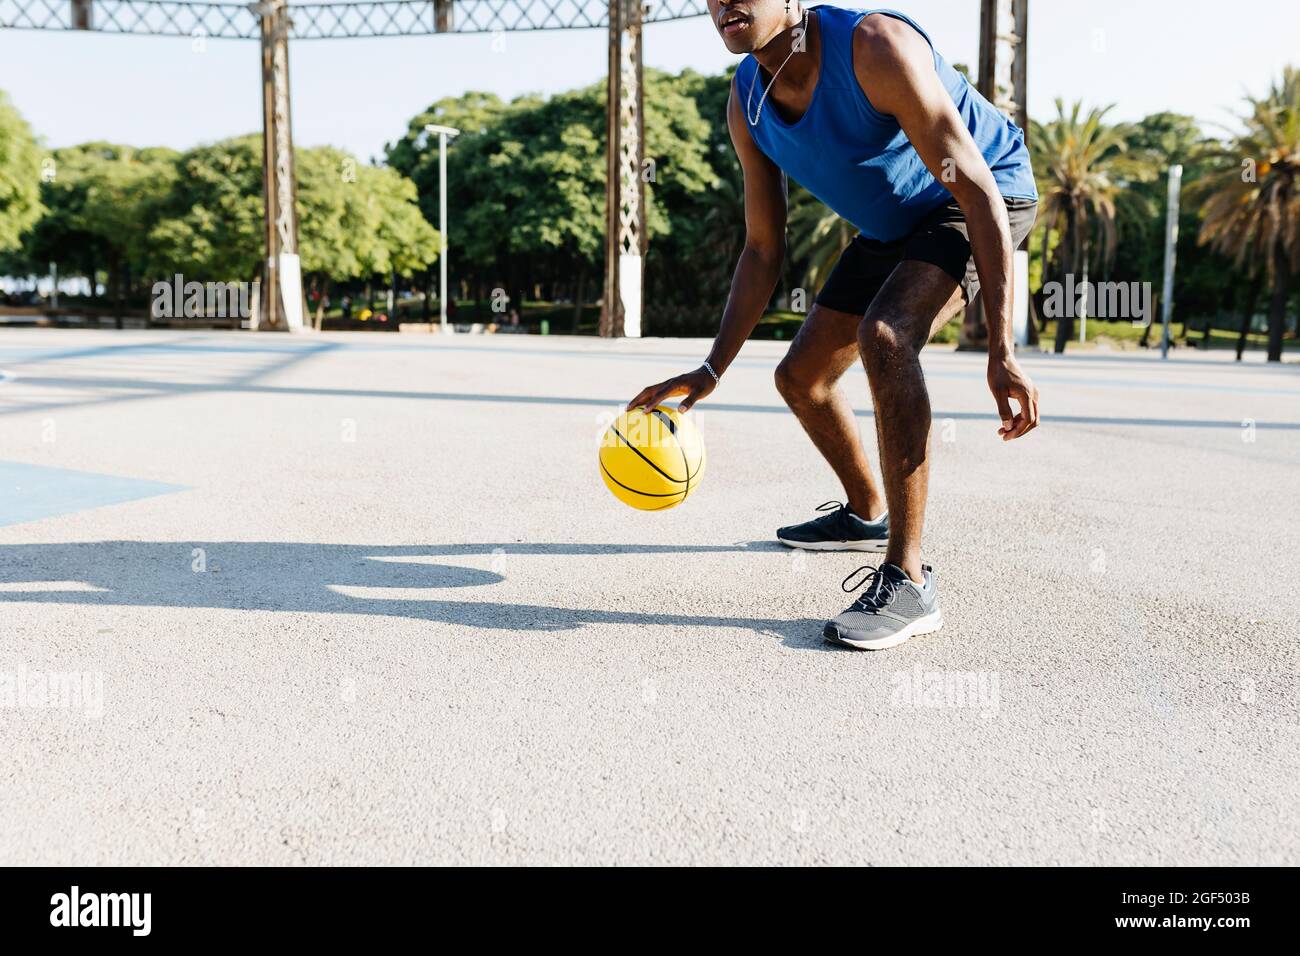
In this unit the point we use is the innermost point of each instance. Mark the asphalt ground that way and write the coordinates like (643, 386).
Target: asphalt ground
(346, 599)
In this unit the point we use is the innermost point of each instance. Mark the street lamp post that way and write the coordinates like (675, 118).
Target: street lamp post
(1171, 255)
(444, 133)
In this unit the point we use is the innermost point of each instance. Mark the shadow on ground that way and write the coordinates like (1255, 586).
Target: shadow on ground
(316, 578)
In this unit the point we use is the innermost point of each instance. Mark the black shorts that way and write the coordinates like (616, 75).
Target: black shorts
(940, 239)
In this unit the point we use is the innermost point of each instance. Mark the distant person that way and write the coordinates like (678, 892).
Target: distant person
(345, 304)
(861, 110)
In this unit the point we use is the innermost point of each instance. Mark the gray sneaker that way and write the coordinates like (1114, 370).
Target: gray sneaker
(837, 530)
(891, 609)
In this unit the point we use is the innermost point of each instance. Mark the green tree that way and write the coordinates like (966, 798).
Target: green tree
(817, 236)
(20, 176)
(210, 223)
(1252, 203)
(526, 184)
(697, 200)
(1206, 283)
(1159, 140)
(358, 221)
(516, 184)
(98, 199)
(1082, 166)
(415, 155)
(354, 220)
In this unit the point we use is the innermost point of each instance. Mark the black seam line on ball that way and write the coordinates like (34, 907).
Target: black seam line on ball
(686, 465)
(676, 481)
(690, 476)
(644, 494)
(664, 417)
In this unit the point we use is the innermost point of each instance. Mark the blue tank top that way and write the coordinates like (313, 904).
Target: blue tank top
(857, 160)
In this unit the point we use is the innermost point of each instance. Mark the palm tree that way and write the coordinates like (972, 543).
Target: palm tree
(1252, 205)
(1082, 166)
(817, 236)
(724, 220)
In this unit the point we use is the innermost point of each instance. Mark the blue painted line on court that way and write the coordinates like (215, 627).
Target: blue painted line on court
(32, 492)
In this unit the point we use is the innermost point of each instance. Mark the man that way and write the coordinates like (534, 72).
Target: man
(862, 111)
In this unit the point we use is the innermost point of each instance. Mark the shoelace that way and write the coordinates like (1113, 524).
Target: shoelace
(834, 508)
(880, 591)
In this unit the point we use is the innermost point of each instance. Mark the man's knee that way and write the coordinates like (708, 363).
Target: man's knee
(790, 380)
(799, 381)
(881, 339)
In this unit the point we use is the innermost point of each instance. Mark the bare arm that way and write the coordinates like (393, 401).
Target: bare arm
(895, 68)
(760, 262)
(757, 270)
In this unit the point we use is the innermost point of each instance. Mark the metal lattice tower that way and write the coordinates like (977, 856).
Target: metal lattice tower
(326, 21)
(1003, 80)
(280, 304)
(625, 234)
(1004, 56)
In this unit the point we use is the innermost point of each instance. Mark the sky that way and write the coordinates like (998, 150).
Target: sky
(1190, 56)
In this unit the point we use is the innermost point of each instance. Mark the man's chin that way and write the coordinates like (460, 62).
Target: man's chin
(739, 45)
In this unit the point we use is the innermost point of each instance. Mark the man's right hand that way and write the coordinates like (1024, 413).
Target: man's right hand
(693, 385)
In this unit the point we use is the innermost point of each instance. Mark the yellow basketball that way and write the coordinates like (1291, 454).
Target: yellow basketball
(652, 461)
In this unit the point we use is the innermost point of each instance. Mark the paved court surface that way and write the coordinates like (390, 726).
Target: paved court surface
(364, 599)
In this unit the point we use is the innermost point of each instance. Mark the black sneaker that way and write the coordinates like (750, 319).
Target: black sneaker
(837, 530)
(891, 609)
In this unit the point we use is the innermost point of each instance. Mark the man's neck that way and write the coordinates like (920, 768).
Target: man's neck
(799, 70)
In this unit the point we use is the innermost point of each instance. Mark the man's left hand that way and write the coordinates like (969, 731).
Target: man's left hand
(1008, 381)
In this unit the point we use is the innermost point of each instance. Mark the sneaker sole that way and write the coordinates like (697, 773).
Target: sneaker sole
(874, 545)
(922, 625)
